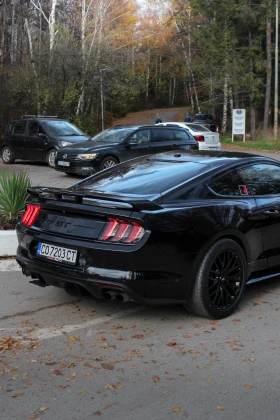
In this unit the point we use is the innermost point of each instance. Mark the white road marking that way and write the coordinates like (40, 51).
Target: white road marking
(52, 332)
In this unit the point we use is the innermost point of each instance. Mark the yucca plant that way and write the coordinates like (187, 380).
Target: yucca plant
(13, 195)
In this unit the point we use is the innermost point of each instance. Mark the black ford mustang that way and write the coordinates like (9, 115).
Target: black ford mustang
(178, 227)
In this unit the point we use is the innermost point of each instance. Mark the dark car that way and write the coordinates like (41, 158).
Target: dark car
(191, 228)
(119, 144)
(37, 138)
(207, 120)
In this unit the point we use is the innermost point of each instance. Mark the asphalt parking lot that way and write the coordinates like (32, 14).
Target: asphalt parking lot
(41, 175)
(63, 357)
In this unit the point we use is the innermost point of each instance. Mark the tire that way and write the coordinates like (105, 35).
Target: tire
(108, 162)
(50, 158)
(7, 155)
(220, 281)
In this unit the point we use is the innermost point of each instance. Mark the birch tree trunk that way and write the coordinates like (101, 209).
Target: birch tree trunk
(225, 105)
(148, 74)
(268, 72)
(33, 65)
(52, 24)
(252, 96)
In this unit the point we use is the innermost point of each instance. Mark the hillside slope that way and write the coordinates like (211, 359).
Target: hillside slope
(148, 117)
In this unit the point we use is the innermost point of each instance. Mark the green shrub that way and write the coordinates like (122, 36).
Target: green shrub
(13, 195)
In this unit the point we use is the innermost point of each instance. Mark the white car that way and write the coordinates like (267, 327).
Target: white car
(206, 139)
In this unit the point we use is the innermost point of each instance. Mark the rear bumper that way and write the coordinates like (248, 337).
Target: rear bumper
(159, 279)
(98, 282)
(207, 146)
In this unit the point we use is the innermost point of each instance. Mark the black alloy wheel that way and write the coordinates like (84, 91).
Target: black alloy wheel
(220, 281)
(108, 162)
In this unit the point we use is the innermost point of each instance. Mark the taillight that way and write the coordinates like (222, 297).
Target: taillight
(30, 215)
(199, 138)
(124, 231)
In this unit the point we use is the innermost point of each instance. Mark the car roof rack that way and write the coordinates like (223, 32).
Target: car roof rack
(39, 116)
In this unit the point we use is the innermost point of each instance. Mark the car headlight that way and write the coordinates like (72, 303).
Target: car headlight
(65, 143)
(87, 156)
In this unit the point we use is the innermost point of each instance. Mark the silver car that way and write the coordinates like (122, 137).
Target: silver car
(206, 139)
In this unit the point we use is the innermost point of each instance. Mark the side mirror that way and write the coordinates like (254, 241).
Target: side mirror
(133, 141)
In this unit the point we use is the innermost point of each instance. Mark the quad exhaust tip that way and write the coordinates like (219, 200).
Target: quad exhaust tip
(120, 297)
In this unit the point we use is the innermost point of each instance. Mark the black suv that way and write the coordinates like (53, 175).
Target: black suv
(37, 138)
(121, 143)
(207, 120)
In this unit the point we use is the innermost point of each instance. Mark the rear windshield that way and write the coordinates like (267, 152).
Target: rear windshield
(112, 136)
(196, 127)
(142, 177)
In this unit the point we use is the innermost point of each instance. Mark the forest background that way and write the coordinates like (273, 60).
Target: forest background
(70, 57)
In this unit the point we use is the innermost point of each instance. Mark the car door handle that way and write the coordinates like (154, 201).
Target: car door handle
(272, 213)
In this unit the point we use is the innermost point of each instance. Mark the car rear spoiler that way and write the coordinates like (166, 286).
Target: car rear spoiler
(96, 199)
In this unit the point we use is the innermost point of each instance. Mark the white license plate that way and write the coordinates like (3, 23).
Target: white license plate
(62, 163)
(57, 253)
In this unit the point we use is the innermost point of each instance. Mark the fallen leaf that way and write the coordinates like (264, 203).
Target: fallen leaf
(119, 387)
(32, 416)
(97, 413)
(72, 338)
(252, 359)
(248, 386)
(171, 344)
(176, 409)
(108, 366)
(42, 409)
(210, 379)
(138, 336)
(109, 386)
(87, 374)
(74, 374)
(9, 343)
(17, 395)
(192, 351)
(155, 379)
(220, 407)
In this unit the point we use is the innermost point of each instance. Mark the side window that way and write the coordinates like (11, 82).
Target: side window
(32, 129)
(181, 135)
(19, 128)
(141, 136)
(229, 184)
(261, 179)
(162, 134)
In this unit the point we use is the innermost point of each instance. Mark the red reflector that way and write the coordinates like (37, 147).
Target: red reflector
(199, 138)
(30, 215)
(117, 230)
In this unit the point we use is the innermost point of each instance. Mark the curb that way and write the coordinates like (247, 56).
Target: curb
(8, 243)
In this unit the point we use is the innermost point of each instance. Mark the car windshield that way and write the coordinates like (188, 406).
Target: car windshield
(149, 176)
(197, 127)
(61, 128)
(112, 135)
